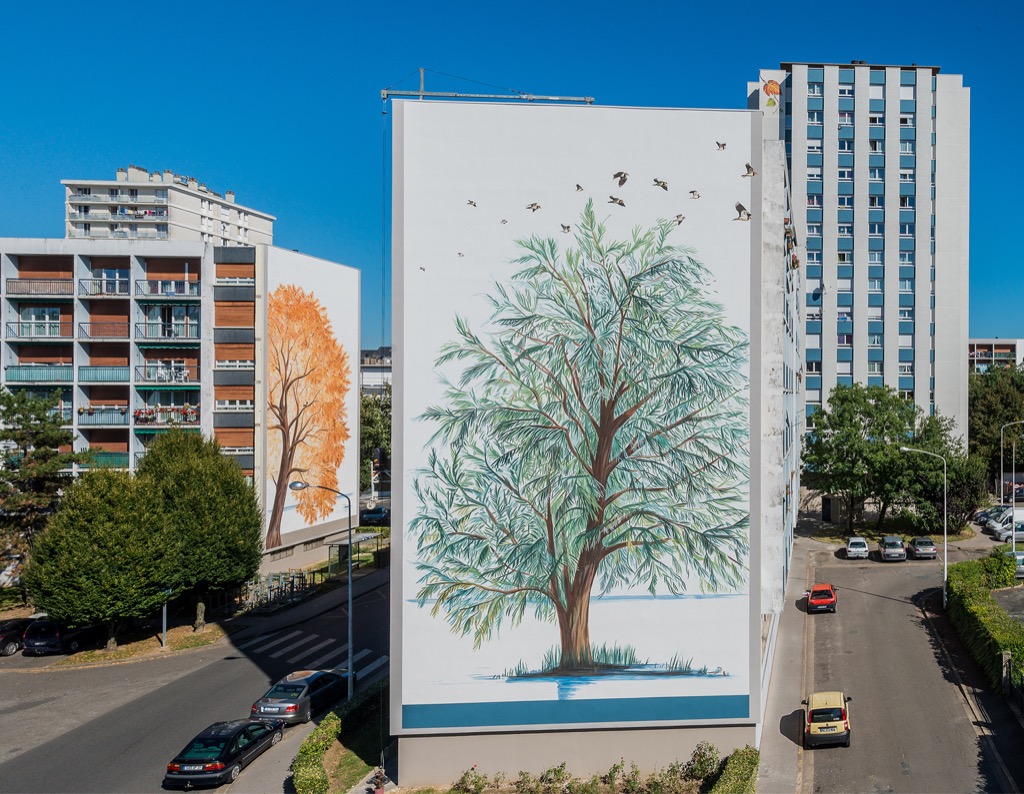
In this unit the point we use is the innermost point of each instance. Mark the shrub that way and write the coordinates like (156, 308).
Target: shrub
(470, 782)
(739, 776)
(703, 763)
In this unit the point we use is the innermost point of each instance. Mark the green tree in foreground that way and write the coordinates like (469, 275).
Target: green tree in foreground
(597, 440)
(103, 558)
(996, 398)
(34, 470)
(210, 511)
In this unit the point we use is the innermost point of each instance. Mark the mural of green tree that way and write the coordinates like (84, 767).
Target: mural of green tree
(598, 439)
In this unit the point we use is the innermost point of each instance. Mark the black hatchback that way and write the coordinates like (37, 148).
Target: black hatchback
(11, 632)
(218, 754)
(45, 636)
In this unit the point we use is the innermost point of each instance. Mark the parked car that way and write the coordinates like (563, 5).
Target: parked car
(218, 754)
(822, 597)
(46, 636)
(982, 517)
(378, 516)
(891, 548)
(1003, 535)
(922, 549)
(297, 696)
(11, 632)
(856, 549)
(1005, 518)
(828, 719)
(1019, 555)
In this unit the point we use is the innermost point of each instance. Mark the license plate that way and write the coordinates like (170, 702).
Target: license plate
(826, 730)
(192, 768)
(269, 709)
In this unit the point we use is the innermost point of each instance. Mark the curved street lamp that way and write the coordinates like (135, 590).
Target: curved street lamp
(298, 485)
(945, 534)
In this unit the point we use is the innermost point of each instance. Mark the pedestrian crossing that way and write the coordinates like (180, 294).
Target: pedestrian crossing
(312, 651)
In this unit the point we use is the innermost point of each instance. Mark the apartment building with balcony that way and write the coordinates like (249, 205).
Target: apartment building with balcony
(143, 336)
(984, 355)
(140, 205)
(879, 165)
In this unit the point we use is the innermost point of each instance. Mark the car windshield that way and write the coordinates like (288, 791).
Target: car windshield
(857, 544)
(285, 691)
(828, 715)
(205, 747)
(821, 594)
(41, 627)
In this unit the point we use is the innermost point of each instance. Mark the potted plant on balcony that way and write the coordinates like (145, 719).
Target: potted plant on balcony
(91, 410)
(81, 410)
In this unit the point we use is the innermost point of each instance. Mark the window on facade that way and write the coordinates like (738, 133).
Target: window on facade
(813, 367)
(874, 313)
(813, 397)
(876, 201)
(814, 146)
(908, 202)
(876, 284)
(907, 120)
(844, 368)
(906, 285)
(846, 145)
(876, 147)
(813, 341)
(846, 90)
(814, 315)
(813, 199)
(814, 230)
(874, 340)
(908, 92)
(846, 117)
(876, 91)
(814, 173)
(815, 89)
(876, 229)
(906, 340)
(814, 257)
(814, 117)
(907, 257)
(876, 119)
(907, 175)
(845, 201)
(844, 315)
(907, 394)
(906, 368)
(907, 147)
(814, 285)
(906, 230)
(844, 257)
(844, 284)
(845, 174)
(906, 313)
(845, 230)
(844, 340)
(876, 174)
(876, 257)
(874, 368)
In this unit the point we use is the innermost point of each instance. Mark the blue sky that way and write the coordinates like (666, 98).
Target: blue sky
(282, 103)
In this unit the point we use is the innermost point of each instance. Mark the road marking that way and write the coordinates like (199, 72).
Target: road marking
(278, 641)
(261, 638)
(336, 653)
(311, 651)
(371, 667)
(294, 645)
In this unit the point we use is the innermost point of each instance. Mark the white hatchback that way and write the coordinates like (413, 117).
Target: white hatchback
(856, 549)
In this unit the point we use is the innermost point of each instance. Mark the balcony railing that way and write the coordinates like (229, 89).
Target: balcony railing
(107, 460)
(103, 330)
(169, 289)
(40, 373)
(165, 374)
(168, 331)
(39, 330)
(92, 215)
(97, 287)
(103, 415)
(167, 415)
(104, 374)
(118, 234)
(119, 198)
(40, 286)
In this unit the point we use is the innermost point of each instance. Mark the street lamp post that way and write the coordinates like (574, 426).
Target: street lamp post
(945, 532)
(298, 485)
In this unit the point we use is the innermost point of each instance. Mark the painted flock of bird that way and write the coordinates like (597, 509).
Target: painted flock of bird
(621, 177)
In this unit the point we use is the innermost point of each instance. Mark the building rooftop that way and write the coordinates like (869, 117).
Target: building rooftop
(787, 64)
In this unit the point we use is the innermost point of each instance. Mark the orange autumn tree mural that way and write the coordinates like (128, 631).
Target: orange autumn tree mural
(308, 377)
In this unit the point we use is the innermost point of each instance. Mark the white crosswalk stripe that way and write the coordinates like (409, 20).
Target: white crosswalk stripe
(321, 662)
(311, 651)
(278, 641)
(294, 645)
(378, 662)
(252, 642)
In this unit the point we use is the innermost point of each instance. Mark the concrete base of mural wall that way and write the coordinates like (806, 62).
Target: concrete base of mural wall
(439, 760)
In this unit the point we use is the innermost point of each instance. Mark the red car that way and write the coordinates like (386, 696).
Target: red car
(822, 597)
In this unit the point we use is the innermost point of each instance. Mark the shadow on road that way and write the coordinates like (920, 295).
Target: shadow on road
(792, 726)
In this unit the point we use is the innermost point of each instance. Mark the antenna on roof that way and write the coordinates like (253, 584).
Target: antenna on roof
(387, 93)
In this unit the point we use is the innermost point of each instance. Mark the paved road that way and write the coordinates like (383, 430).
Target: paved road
(113, 729)
(911, 729)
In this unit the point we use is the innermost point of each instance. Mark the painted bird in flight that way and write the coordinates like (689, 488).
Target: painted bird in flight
(533, 207)
(721, 146)
(750, 171)
(622, 176)
(660, 183)
(565, 228)
(694, 194)
(471, 203)
(742, 214)
(579, 188)
(680, 219)
(613, 200)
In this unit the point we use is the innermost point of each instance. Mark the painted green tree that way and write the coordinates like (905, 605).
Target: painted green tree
(597, 439)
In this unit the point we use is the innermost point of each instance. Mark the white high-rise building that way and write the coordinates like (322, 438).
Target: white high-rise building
(139, 205)
(880, 173)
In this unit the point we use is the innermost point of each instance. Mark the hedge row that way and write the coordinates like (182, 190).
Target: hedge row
(982, 624)
(739, 775)
(308, 773)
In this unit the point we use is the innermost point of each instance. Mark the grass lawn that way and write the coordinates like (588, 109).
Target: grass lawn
(838, 533)
(357, 752)
(179, 638)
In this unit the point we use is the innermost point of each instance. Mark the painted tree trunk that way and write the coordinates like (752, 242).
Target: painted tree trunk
(574, 620)
(280, 493)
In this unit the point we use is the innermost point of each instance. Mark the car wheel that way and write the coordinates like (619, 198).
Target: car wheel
(73, 646)
(9, 649)
(307, 714)
(847, 742)
(234, 773)
(276, 738)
